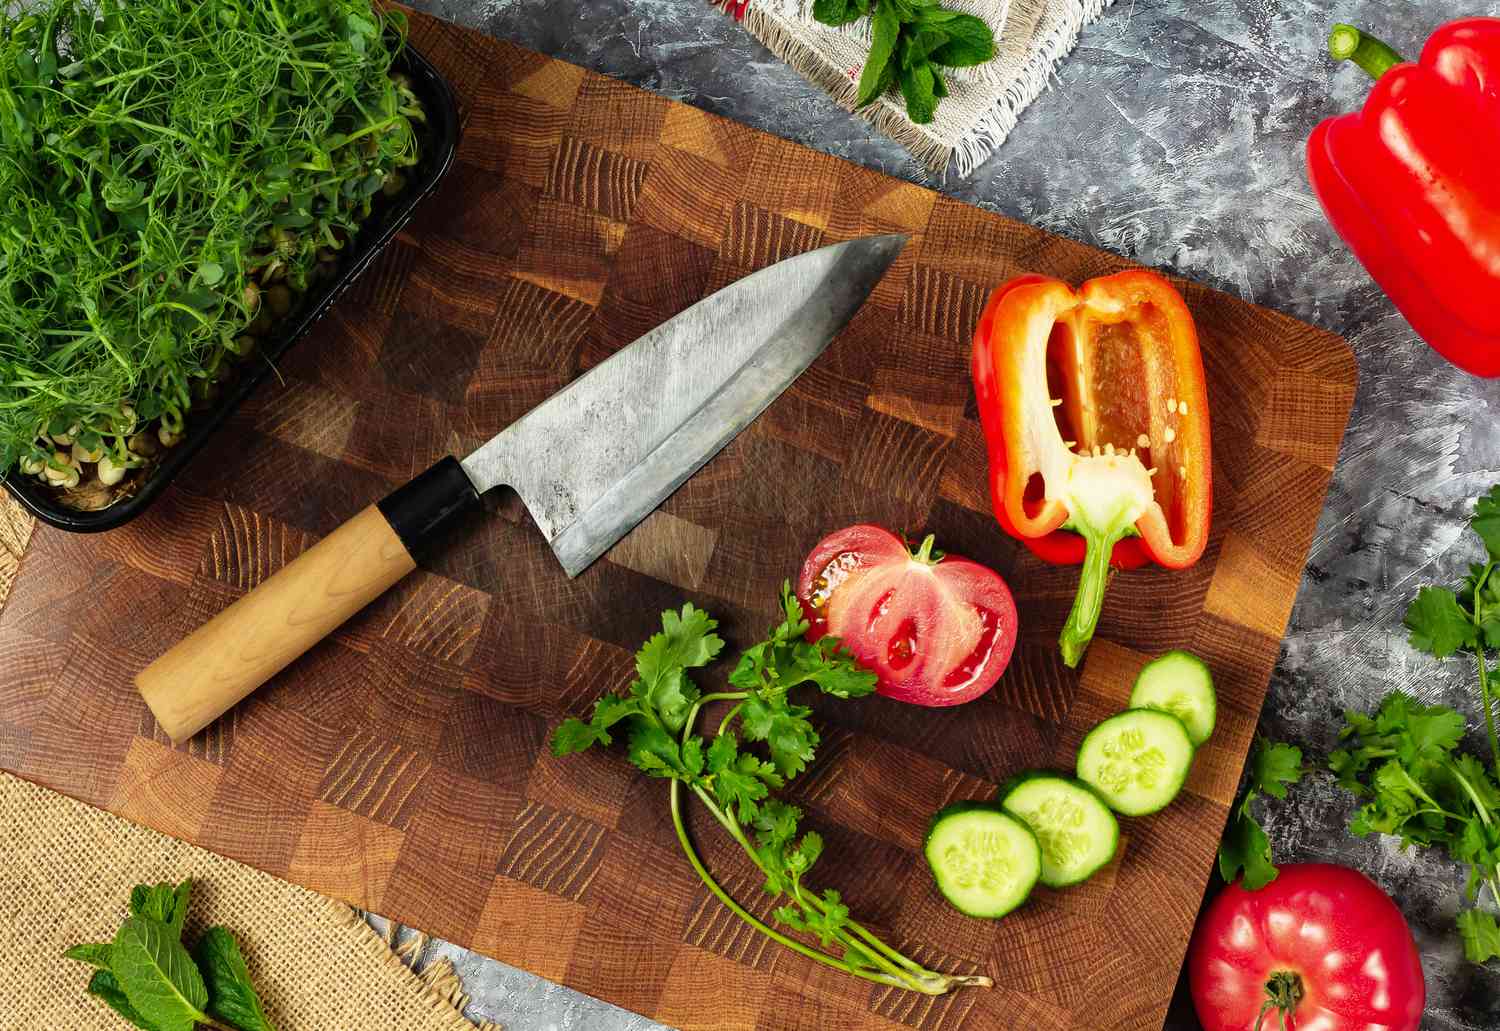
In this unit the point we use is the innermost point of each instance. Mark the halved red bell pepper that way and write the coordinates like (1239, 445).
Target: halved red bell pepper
(1412, 183)
(1095, 414)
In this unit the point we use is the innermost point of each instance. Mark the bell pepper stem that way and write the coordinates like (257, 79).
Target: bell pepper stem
(1087, 604)
(1346, 43)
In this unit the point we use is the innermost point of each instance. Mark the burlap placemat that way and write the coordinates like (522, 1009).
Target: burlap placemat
(15, 531)
(66, 874)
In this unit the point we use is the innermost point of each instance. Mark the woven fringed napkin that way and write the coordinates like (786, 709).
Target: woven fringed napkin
(984, 103)
(66, 876)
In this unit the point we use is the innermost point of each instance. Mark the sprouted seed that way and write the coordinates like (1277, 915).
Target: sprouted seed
(174, 175)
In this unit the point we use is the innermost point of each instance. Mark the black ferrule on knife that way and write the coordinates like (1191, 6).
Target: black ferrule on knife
(424, 510)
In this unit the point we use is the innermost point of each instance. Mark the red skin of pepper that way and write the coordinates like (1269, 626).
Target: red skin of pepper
(1411, 184)
(1064, 547)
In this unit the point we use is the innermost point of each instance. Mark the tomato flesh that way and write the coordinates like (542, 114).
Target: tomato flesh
(1328, 928)
(935, 632)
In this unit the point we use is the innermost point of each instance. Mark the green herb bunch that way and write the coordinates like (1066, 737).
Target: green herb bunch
(734, 781)
(911, 41)
(149, 977)
(1407, 759)
(173, 175)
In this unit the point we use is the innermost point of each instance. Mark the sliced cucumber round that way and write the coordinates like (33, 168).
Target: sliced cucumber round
(1179, 682)
(1077, 832)
(984, 860)
(1137, 761)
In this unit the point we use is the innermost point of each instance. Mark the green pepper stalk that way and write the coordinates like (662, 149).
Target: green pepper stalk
(1105, 494)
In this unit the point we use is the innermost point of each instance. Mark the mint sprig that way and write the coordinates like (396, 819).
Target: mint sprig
(147, 976)
(910, 41)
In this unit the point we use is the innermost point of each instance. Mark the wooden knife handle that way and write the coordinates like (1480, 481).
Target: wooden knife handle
(221, 662)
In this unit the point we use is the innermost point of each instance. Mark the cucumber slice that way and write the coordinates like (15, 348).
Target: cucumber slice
(1137, 760)
(1179, 682)
(1076, 830)
(984, 860)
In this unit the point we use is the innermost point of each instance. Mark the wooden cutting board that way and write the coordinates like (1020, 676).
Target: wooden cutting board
(401, 766)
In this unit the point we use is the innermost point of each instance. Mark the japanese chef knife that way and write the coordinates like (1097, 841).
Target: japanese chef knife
(590, 462)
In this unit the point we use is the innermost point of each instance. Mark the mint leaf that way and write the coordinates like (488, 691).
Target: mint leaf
(836, 12)
(970, 42)
(93, 953)
(157, 974)
(1438, 625)
(1486, 522)
(104, 986)
(917, 89)
(231, 995)
(882, 48)
(181, 896)
(1481, 935)
(153, 901)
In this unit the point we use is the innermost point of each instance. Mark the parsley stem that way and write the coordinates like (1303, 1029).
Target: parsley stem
(731, 714)
(1480, 807)
(749, 918)
(1484, 672)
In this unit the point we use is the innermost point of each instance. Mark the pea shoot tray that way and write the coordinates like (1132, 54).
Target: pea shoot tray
(401, 765)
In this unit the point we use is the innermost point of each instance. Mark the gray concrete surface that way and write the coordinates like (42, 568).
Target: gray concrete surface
(1173, 135)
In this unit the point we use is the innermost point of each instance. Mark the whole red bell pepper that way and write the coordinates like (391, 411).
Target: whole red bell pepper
(1095, 414)
(1412, 183)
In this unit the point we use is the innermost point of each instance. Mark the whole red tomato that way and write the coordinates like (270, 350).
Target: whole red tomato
(1321, 945)
(936, 629)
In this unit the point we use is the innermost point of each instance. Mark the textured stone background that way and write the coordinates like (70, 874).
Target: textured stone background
(1172, 135)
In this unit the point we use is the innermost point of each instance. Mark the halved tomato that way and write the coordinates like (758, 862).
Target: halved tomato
(937, 629)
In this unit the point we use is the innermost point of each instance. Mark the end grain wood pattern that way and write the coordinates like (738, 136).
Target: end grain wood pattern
(402, 764)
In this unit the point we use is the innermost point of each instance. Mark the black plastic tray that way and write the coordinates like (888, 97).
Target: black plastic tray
(439, 143)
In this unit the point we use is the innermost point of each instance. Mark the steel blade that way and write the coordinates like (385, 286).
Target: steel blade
(597, 457)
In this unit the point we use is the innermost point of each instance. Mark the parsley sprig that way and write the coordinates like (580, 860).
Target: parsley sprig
(1274, 767)
(762, 742)
(1407, 759)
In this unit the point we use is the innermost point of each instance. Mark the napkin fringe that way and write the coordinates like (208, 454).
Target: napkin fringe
(982, 139)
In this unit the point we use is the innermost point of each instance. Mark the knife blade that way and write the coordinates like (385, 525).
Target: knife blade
(589, 463)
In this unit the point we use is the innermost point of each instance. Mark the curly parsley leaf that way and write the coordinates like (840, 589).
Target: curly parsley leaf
(1438, 625)
(785, 729)
(1273, 768)
(1485, 522)
(1245, 847)
(1481, 935)
(686, 642)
